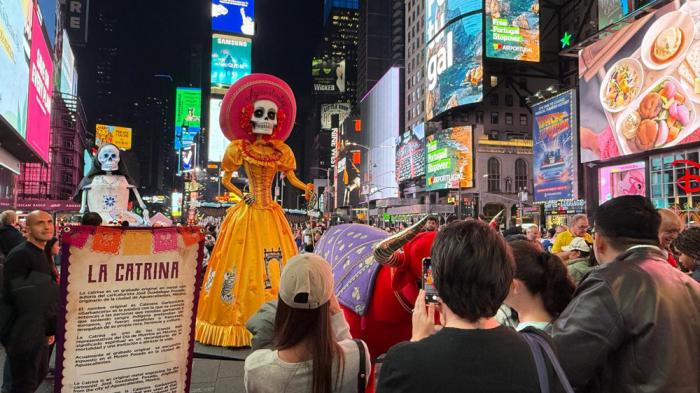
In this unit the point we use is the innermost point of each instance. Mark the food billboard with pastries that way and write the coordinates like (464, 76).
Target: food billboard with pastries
(639, 88)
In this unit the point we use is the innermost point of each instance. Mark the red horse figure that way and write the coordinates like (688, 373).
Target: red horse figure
(377, 279)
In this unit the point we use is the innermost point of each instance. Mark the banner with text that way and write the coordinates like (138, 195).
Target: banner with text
(128, 308)
(554, 148)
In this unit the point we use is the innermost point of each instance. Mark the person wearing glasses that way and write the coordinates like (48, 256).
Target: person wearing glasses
(578, 228)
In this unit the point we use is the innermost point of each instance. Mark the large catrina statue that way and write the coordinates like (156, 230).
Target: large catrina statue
(257, 116)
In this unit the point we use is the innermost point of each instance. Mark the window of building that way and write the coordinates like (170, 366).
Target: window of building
(509, 118)
(494, 99)
(479, 117)
(494, 175)
(520, 174)
(523, 119)
(494, 117)
(509, 99)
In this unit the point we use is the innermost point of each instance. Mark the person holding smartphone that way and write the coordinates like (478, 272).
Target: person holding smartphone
(472, 269)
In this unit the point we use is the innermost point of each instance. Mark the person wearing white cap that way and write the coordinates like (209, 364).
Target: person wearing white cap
(312, 347)
(579, 263)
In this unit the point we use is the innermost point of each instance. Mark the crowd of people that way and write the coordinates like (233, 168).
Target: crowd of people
(608, 308)
(599, 309)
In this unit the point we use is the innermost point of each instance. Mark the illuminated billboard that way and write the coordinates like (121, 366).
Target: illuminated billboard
(233, 16)
(618, 180)
(69, 78)
(454, 66)
(332, 116)
(14, 62)
(410, 154)
(230, 61)
(188, 112)
(449, 159)
(118, 136)
(188, 158)
(176, 204)
(554, 157)
(328, 75)
(440, 13)
(640, 87)
(513, 29)
(613, 11)
(40, 91)
(217, 143)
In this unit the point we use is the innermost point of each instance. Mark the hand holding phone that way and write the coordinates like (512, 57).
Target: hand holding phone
(428, 283)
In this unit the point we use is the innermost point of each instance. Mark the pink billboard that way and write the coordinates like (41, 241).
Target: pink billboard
(618, 180)
(40, 90)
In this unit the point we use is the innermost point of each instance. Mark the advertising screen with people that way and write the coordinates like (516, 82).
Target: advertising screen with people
(640, 88)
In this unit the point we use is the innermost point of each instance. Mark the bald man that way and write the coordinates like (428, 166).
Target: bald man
(30, 288)
(671, 226)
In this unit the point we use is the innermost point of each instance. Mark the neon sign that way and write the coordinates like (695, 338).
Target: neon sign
(684, 182)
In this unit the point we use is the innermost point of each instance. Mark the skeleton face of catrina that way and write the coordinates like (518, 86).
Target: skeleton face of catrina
(264, 118)
(108, 157)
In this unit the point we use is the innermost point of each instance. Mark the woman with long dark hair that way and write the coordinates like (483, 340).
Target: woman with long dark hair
(541, 288)
(313, 350)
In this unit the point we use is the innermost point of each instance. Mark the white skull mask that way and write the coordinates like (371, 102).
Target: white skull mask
(108, 157)
(264, 118)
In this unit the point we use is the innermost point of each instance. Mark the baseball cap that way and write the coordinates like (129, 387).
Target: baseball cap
(578, 243)
(306, 282)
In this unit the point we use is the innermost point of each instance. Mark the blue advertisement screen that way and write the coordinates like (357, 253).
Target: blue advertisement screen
(233, 16)
(14, 62)
(439, 13)
(554, 159)
(513, 30)
(230, 61)
(455, 66)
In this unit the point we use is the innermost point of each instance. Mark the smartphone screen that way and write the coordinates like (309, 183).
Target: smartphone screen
(431, 294)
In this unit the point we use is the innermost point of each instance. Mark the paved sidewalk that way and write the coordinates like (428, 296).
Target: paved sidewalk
(208, 376)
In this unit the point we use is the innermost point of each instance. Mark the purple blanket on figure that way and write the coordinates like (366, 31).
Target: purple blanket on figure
(348, 248)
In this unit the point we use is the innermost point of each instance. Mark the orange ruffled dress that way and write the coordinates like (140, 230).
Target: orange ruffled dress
(253, 246)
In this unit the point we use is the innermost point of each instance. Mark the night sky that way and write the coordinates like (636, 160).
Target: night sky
(157, 37)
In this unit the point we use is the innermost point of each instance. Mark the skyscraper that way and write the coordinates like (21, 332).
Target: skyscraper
(380, 41)
(415, 62)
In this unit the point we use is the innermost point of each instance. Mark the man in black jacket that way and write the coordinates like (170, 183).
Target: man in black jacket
(10, 236)
(633, 323)
(29, 287)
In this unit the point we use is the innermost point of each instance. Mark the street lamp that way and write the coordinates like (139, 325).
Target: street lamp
(328, 183)
(369, 166)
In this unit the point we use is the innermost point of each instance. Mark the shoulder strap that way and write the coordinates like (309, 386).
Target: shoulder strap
(362, 373)
(563, 380)
(541, 366)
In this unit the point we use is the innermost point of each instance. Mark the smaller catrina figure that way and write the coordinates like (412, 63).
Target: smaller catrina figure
(105, 189)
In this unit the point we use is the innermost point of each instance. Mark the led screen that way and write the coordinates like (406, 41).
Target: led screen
(440, 13)
(69, 78)
(618, 180)
(410, 154)
(217, 141)
(513, 29)
(455, 66)
(40, 91)
(612, 11)
(230, 61)
(328, 75)
(640, 87)
(118, 136)
(449, 159)
(188, 158)
(553, 148)
(188, 112)
(233, 16)
(14, 62)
